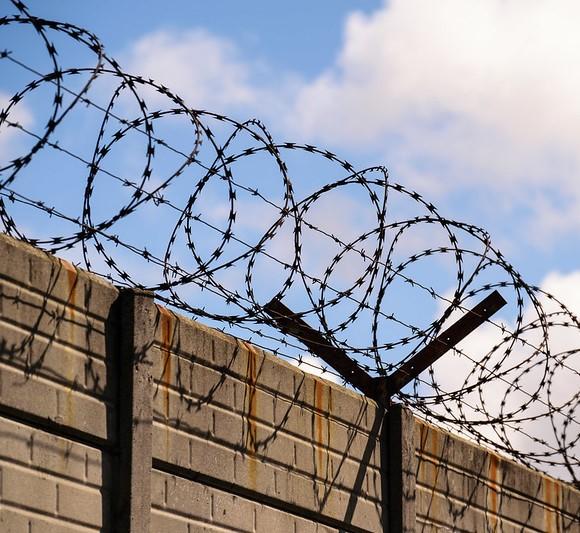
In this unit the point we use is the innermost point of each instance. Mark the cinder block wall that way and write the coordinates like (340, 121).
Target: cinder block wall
(257, 444)
(118, 415)
(462, 487)
(57, 394)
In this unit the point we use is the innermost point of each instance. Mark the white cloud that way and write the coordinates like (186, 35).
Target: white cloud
(462, 94)
(454, 95)
(565, 287)
(20, 114)
(503, 66)
(202, 68)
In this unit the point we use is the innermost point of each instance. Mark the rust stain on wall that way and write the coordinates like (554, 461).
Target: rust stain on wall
(321, 435)
(494, 493)
(72, 277)
(251, 409)
(328, 432)
(166, 327)
(552, 499)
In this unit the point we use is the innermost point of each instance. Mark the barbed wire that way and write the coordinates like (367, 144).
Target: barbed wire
(220, 218)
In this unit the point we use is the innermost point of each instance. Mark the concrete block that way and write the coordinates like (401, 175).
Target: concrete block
(63, 319)
(17, 520)
(232, 429)
(18, 267)
(161, 521)
(55, 362)
(277, 376)
(85, 413)
(293, 418)
(182, 412)
(185, 498)
(171, 445)
(28, 489)
(38, 453)
(22, 393)
(16, 442)
(210, 386)
(60, 456)
(203, 456)
(80, 504)
(231, 511)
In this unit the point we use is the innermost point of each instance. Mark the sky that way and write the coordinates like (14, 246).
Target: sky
(474, 104)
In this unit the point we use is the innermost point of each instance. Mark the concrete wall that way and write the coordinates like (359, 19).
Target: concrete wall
(117, 415)
(57, 394)
(462, 487)
(235, 419)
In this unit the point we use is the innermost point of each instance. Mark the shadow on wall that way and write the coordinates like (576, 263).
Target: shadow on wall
(463, 487)
(278, 422)
(57, 364)
(228, 421)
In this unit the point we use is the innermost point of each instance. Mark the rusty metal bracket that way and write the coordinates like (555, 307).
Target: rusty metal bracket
(383, 388)
(424, 358)
(315, 341)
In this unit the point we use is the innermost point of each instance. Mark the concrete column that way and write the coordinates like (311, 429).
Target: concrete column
(401, 470)
(137, 328)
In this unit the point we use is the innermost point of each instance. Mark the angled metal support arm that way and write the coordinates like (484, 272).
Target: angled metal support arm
(382, 389)
(424, 358)
(288, 322)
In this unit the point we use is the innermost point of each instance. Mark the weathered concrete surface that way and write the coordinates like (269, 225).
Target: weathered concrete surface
(57, 341)
(461, 486)
(137, 322)
(50, 483)
(58, 387)
(244, 419)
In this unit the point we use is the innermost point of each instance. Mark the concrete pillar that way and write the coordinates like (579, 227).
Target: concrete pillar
(401, 470)
(137, 327)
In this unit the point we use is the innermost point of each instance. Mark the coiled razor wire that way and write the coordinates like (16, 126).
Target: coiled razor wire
(241, 219)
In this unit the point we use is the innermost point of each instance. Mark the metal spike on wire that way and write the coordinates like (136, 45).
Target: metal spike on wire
(234, 229)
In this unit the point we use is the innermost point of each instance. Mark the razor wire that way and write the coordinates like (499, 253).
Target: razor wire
(514, 386)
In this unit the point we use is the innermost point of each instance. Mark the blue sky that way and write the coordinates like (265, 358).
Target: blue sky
(473, 104)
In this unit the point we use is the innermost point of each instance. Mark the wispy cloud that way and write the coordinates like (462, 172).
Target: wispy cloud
(461, 96)
(454, 96)
(453, 70)
(20, 114)
(204, 69)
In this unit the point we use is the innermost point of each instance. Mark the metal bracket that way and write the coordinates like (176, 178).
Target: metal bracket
(383, 388)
